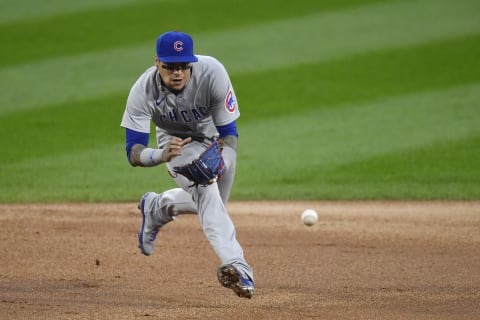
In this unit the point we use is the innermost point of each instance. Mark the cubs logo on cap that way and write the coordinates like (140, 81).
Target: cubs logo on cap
(178, 45)
(175, 47)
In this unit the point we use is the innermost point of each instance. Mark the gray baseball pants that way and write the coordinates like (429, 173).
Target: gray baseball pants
(208, 202)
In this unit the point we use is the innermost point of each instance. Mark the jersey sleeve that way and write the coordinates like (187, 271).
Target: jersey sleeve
(137, 114)
(224, 105)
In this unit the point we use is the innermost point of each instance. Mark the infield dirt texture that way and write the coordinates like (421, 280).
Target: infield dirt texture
(362, 260)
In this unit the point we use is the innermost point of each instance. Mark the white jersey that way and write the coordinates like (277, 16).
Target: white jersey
(208, 100)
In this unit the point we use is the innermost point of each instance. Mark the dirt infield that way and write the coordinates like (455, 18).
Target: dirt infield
(362, 260)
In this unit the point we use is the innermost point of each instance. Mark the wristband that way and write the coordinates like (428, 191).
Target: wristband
(151, 157)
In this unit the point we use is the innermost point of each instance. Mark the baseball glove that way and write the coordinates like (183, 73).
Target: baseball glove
(207, 169)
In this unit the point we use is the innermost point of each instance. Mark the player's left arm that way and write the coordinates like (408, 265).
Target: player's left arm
(228, 135)
(224, 106)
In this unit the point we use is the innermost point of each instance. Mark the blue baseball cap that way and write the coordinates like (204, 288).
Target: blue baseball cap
(175, 47)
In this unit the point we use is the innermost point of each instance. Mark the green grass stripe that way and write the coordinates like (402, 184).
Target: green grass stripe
(131, 23)
(12, 10)
(450, 168)
(275, 45)
(337, 34)
(99, 174)
(358, 78)
(444, 170)
(60, 129)
(287, 157)
(313, 142)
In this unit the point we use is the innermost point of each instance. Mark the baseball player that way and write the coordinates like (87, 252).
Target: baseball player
(191, 101)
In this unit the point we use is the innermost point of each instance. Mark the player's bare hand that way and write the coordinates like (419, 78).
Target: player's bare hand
(174, 148)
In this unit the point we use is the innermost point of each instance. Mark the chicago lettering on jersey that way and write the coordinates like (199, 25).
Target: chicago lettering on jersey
(185, 115)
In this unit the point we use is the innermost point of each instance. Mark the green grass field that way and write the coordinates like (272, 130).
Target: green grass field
(340, 99)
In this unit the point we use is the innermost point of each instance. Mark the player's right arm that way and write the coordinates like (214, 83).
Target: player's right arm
(139, 154)
(136, 121)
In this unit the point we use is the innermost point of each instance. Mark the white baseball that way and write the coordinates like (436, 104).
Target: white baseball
(309, 217)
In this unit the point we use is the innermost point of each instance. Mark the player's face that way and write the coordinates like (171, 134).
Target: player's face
(174, 75)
